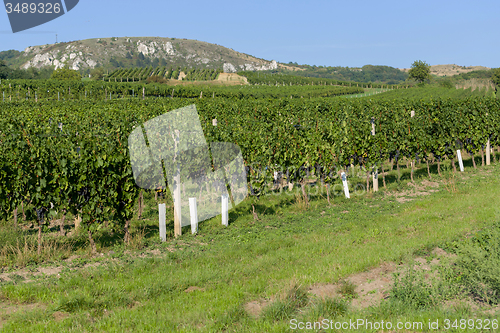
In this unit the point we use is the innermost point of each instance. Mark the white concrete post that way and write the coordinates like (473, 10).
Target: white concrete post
(177, 192)
(163, 229)
(375, 179)
(344, 182)
(193, 210)
(460, 161)
(488, 151)
(225, 209)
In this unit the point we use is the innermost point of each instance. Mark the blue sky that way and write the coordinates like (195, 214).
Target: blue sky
(327, 33)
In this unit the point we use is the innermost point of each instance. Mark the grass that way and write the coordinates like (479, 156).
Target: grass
(150, 284)
(347, 289)
(287, 305)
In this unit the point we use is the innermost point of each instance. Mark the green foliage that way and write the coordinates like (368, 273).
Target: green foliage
(97, 73)
(367, 73)
(10, 54)
(477, 267)
(412, 290)
(65, 74)
(474, 273)
(420, 71)
(496, 78)
(90, 172)
(329, 307)
(4, 70)
(447, 84)
(286, 79)
(30, 73)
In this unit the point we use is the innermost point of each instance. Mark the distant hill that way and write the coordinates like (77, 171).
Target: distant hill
(367, 73)
(452, 69)
(126, 52)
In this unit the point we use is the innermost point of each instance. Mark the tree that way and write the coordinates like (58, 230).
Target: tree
(97, 73)
(420, 71)
(5, 71)
(65, 74)
(496, 78)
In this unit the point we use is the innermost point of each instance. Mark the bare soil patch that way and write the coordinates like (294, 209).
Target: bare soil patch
(371, 287)
(194, 288)
(254, 308)
(232, 77)
(426, 188)
(7, 309)
(374, 285)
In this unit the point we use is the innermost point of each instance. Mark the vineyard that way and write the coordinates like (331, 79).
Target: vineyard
(428, 93)
(141, 74)
(79, 239)
(38, 90)
(271, 79)
(72, 156)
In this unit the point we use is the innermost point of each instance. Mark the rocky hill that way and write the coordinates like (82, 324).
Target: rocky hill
(126, 52)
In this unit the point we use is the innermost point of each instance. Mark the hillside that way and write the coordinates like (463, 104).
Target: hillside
(451, 70)
(119, 52)
(367, 73)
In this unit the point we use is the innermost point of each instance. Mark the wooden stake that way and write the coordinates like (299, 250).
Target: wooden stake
(383, 174)
(397, 168)
(140, 202)
(78, 221)
(328, 192)
(255, 216)
(304, 194)
(367, 181)
(39, 251)
(61, 224)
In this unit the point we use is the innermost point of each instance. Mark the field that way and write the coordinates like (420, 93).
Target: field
(424, 248)
(230, 279)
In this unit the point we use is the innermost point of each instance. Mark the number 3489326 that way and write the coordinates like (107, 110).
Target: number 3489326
(32, 8)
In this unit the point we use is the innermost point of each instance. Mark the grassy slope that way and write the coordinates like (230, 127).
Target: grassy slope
(249, 261)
